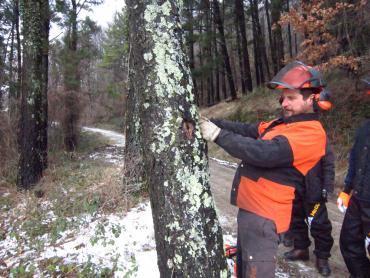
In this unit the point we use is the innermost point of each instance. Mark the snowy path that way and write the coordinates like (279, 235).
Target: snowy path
(117, 138)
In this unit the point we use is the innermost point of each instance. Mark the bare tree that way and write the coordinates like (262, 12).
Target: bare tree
(220, 26)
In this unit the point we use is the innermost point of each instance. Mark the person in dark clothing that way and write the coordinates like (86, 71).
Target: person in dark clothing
(356, 223)
(276, 157)
(355, 234)
(310, 212)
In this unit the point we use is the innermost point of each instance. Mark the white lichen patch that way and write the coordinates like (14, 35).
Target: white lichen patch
(148, 56)
(170, 264)
(178, 259)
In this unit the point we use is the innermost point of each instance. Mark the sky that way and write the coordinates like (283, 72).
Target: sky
(102, 14)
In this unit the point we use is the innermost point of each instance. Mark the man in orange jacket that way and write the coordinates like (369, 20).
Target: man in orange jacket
(276, 156)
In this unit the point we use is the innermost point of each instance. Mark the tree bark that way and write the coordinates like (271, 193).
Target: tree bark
(188, 235)
(33, 130)
(133, 172)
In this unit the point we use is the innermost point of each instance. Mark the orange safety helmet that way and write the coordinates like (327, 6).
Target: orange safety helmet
(297, 75)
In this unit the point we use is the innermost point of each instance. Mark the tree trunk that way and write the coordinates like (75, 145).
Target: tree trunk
(295, 44)
(133, 172)
(240, 17)
(271, 41)
(190, 42)
(240, 60)
(15, 82)
(289, 33)
(12, 86)
(216, 65)
(71, 84)
(208, 49)
(256, 47)
(19, 50)
(201, 64)
(33, 129)
(277, 34)
(225, 54)
(187, 233)
(261, 36)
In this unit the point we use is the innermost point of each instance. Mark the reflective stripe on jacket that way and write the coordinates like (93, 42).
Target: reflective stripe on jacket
(275, 156)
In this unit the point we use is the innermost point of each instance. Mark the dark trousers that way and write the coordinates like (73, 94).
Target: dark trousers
(356, 225)
(257, 246)
(314, 217)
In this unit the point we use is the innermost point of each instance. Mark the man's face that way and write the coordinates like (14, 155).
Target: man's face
(292, 103)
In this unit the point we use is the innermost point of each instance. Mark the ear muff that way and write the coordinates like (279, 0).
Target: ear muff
(322, 102)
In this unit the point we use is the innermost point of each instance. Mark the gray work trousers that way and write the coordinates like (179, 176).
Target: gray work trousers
(257, 246)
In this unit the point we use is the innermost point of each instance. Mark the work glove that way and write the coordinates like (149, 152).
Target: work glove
(342, 201)
(209, 130)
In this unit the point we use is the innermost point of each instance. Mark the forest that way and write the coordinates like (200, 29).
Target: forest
(100, 123)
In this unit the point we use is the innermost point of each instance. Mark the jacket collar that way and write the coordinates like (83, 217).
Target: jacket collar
(292, 119)
(300, 118)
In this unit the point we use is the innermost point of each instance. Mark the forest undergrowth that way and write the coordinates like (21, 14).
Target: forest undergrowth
(77, 189)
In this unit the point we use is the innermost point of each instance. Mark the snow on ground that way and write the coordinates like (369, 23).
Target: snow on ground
(106, 241)
(225, 163)
(118, 138)
(125, 242)
(110, 154)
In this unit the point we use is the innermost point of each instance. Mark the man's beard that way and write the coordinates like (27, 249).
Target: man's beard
(286, 113)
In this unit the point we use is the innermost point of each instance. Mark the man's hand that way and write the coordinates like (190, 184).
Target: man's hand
(367, 244)
(342, 201)
(209, 130)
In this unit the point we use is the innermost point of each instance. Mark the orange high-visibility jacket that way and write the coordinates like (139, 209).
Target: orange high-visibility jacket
(276, 156)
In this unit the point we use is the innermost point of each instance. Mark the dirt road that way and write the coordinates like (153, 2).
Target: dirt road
(221, 178)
